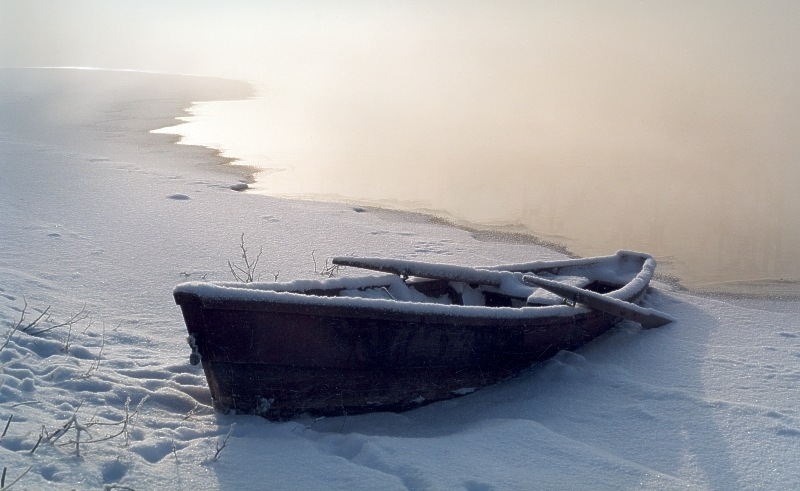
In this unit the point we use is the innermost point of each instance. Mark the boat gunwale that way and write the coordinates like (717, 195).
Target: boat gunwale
(278, 297)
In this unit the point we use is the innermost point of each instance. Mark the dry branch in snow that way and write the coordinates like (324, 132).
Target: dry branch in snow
(245, 273)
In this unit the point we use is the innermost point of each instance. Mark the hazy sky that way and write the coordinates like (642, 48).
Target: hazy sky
(579, 73)
(454, 84)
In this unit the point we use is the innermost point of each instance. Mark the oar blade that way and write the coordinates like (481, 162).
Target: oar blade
(648, 318)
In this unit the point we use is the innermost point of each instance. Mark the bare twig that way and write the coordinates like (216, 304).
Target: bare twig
(34, 327)
(8, 338)
(331, 269)
(81, 315)
(52, 438)
(41, 436)
(8, 423)
(125, 425)
(3, 486)
(25, 403)
(96, 364)
(17, 326)
(222, 443)
(34, 321)
(79, 428)
(65, 348)
(245, 273)
(56, 435)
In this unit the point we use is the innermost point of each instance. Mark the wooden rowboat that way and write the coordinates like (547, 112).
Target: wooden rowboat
(393, 342)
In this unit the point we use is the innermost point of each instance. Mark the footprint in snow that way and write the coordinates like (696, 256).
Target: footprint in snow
(51, 473)
(114, 471)
(155, 452)
(178, 197)
(477, 486)
(788, 431)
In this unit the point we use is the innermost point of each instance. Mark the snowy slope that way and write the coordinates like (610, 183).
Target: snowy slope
(105, 224)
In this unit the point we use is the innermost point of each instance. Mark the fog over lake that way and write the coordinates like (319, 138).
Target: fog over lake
(669, 127)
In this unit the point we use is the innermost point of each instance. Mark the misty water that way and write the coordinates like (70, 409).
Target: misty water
(668, 127)
(673, 130)
(729, 221)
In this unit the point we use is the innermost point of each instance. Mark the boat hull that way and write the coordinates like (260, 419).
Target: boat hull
(281, 359)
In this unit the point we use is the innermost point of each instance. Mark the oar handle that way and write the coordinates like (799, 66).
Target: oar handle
(402, 267)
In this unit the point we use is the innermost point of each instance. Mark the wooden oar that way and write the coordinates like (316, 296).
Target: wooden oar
(648, 318)
(425, 270)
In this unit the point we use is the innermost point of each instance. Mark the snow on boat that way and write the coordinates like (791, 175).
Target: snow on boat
(393, 342)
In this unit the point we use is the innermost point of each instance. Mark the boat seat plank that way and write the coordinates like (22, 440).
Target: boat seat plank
(540, 296)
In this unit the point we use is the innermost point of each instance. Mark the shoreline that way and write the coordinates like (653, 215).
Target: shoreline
(184, 91)
(124, 107)
(768, 289)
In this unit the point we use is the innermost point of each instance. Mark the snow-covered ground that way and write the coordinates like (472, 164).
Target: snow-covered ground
(99, 220)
